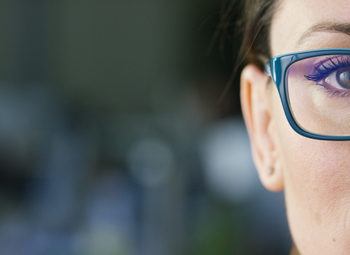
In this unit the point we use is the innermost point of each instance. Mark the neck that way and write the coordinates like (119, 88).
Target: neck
(294, 251)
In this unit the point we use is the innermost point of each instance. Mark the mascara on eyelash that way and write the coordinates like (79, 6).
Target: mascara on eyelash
(327, 66)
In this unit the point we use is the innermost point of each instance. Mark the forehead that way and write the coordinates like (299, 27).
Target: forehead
(294, 18)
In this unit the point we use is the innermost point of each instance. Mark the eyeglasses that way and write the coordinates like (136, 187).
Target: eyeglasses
(314, 87)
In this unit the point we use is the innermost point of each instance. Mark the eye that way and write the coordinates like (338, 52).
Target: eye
(339, 79)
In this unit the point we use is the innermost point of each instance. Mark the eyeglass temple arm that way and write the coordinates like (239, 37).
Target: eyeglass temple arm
(268, 69)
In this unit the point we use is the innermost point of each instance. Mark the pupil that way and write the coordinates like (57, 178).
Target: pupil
(343, 78)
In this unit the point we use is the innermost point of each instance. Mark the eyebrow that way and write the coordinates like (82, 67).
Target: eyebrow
(325, 27)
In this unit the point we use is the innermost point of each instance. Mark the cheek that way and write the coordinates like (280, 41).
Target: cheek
(317, 174)
(317, 186)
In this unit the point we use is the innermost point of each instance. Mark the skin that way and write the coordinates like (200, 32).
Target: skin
(314, 174)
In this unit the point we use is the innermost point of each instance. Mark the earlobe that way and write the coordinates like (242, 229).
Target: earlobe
(258, 115)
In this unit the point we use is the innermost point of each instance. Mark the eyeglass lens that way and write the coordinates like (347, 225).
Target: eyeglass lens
(318, 91)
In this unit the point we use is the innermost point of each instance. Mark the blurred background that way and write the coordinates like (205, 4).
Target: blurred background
(113, 136)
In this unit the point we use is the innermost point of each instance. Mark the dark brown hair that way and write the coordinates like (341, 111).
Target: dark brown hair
(253, 30)
(256, 22)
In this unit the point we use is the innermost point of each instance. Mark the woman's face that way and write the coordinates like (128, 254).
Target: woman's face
(314, 174)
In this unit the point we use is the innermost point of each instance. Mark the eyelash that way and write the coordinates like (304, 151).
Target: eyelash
(324, 68)
(328, 66)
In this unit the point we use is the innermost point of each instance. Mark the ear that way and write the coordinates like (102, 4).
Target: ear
(256, 100)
